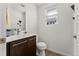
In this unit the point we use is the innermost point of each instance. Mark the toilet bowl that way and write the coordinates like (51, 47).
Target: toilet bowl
(41, 46)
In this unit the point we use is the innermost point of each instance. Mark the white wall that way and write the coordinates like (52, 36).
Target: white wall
(3, 49)
(1, 17)
(58, 37)
(2, 28)
(31, 18)
(2, 12)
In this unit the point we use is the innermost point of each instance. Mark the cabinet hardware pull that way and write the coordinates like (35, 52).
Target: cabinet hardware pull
(18, 43)
(32, 38)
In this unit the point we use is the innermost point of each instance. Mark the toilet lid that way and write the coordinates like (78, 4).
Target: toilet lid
(41, 44)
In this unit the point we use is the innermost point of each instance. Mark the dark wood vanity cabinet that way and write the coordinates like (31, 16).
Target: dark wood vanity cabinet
(22, 47)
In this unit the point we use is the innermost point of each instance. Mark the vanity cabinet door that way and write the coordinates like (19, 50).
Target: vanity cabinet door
(18, 49)
(32, 46)
(22, 47)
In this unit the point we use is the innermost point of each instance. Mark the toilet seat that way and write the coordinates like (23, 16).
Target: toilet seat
(41, 45)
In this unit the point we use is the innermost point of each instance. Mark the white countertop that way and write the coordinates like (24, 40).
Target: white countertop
(16, 37)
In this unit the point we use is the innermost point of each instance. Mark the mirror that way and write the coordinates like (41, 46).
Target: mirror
(15, 19)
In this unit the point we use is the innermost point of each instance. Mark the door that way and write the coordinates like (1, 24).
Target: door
(76, 30)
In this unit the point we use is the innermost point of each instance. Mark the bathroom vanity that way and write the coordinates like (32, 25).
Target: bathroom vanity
(21, 45)
(18, 43)
(14, 20)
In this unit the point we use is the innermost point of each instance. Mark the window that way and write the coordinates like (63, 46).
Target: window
(52, 16)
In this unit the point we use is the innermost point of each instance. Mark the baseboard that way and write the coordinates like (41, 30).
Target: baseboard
(57, 52)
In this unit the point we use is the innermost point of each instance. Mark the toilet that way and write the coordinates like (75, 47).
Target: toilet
(41, 46)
